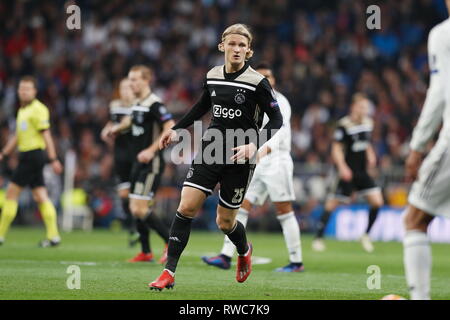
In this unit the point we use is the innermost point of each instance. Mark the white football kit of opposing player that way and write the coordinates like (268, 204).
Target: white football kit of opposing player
(431, 191)
(273, 177)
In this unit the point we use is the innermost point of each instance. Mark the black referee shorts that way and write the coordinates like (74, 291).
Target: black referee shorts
(145, 179)
(29, 172)
(233, 178)
(362, 182)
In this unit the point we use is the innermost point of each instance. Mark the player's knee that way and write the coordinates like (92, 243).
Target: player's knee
(415, 219)
(283, 208)
(40, 197)
(137, 210)
(224, 224)
(123, 193)
(187, 209)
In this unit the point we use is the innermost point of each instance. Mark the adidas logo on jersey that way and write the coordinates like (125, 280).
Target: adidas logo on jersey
(213, 94)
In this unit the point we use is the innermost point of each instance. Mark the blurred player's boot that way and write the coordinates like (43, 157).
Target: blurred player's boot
(142, 257)
(221, 261)
(1, 241)
(318, 245)
(367, 243)
(244, 265)
(292, 267)
(47, 243)
(165, 280)
(163, 258)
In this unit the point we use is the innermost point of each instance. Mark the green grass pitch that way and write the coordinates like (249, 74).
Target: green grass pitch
(29, 272)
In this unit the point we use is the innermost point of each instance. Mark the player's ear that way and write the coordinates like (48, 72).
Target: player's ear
(221, 47)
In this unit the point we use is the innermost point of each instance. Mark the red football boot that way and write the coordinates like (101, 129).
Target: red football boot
(165, 280)
(142, 257)
(244, 265)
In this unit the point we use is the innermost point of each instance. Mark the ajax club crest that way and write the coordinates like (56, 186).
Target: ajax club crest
(239, 98)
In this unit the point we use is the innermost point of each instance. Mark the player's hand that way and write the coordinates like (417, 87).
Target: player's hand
(247, 151)
(57, 167)
(167, 138)
(346, 173)
(413, 163)
(106, 135)
(145, 156)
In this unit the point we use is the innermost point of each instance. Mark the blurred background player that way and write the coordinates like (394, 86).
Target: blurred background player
(430, 193)
(239, 96)
(273, 177)
(32, 138)
(148, 120)
(353, 155)
(123, 153)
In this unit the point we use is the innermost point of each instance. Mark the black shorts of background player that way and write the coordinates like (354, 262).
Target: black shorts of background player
(238, 97)
(123, 156)
(149, 118)
(352, 152)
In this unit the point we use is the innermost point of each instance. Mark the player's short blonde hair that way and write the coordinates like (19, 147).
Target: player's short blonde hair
(146, 72)
(243, 30)
(358, 96)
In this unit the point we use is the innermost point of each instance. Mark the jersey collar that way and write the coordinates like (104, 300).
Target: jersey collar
(234, 75)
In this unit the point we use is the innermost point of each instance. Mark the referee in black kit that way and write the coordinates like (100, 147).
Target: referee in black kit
(239, 96)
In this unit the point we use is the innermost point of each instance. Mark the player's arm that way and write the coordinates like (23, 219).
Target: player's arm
(199, 109)
(105, 134)
(371, 156)
(124, 124)
(9, 147)
(338, 156)
(266, 100)
(147, 154)
(433, 108)
(51, 151)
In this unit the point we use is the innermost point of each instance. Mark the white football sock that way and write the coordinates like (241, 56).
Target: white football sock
(417, 261)
(291, 232)
(229, 248)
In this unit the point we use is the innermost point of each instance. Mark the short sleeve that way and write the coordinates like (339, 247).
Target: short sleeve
(160, 112)
(339, 134)
(41, 118)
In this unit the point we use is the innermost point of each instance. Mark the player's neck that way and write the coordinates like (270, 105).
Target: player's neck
(24, 103)
(144, 93)
(232, 68)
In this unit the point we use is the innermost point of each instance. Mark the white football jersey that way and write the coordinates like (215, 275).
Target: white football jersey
(281, 141)
(437, 103)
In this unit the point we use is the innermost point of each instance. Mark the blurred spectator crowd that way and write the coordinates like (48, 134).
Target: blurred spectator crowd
(321, 52)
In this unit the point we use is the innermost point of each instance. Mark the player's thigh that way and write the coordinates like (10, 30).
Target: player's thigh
(234, 184)
(279, 182)
(431, 191)
(144, 186)
(123, 170)
(29, 171)
(13, 191)
(365, 186)
(340, 191)
(257, 191)
(191, 201)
